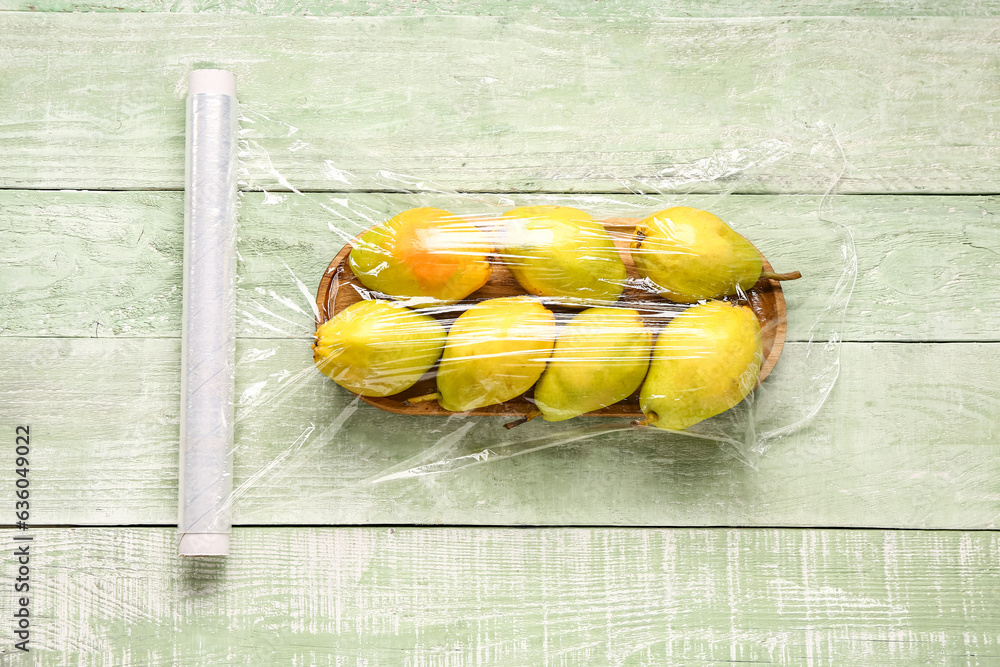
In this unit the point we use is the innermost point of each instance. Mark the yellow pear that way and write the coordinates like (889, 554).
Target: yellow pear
(600, 358)
(705, 361)
(689, 255)
(562, 253)
(377, 348)
(494, 352)
(424, 254)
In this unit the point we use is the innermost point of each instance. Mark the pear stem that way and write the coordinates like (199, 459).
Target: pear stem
(421, 399)
(770, 275)
(523, 420)
(639, 423)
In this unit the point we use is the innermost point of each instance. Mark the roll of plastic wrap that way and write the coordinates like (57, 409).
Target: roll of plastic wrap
(208, 336)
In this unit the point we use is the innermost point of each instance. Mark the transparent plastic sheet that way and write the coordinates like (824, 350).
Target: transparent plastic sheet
(449, 434)
(208, 339)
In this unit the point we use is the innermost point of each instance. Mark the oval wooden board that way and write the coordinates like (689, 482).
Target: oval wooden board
(339, 288)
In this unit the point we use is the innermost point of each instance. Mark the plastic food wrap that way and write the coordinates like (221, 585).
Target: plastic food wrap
(491, 325)
(545, 311)
(208, 341)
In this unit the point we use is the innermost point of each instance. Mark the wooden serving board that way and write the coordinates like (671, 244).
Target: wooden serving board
(339, 288)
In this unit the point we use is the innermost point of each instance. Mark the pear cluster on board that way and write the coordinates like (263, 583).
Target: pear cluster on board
(705, 359)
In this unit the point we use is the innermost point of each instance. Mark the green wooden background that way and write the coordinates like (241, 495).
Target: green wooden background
(867, 537)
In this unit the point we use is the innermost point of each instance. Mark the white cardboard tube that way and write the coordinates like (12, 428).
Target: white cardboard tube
(208, 337)
(212, 82)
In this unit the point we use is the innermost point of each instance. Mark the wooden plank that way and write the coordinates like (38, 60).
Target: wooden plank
(906, 439)
(461, 596)
(615, 9)
(487, 103)
(91, 264)
(109, 264)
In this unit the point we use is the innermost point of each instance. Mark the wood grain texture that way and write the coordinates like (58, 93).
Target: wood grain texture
(456, 597)
(487, 103)
(906, 439)
(560, 96)
(604, 10)
(109, 264)
(91, 264)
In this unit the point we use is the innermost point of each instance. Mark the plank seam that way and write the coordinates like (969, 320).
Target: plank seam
(503, 526)
(575, 193)
(880, 341)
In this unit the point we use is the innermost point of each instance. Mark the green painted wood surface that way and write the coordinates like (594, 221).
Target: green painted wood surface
(457, 596)
(487, 103)
(505, 96)
(109, 264)
(906, 439)
(600, 10)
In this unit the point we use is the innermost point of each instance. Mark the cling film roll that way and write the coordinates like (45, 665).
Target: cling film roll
(208, 334)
